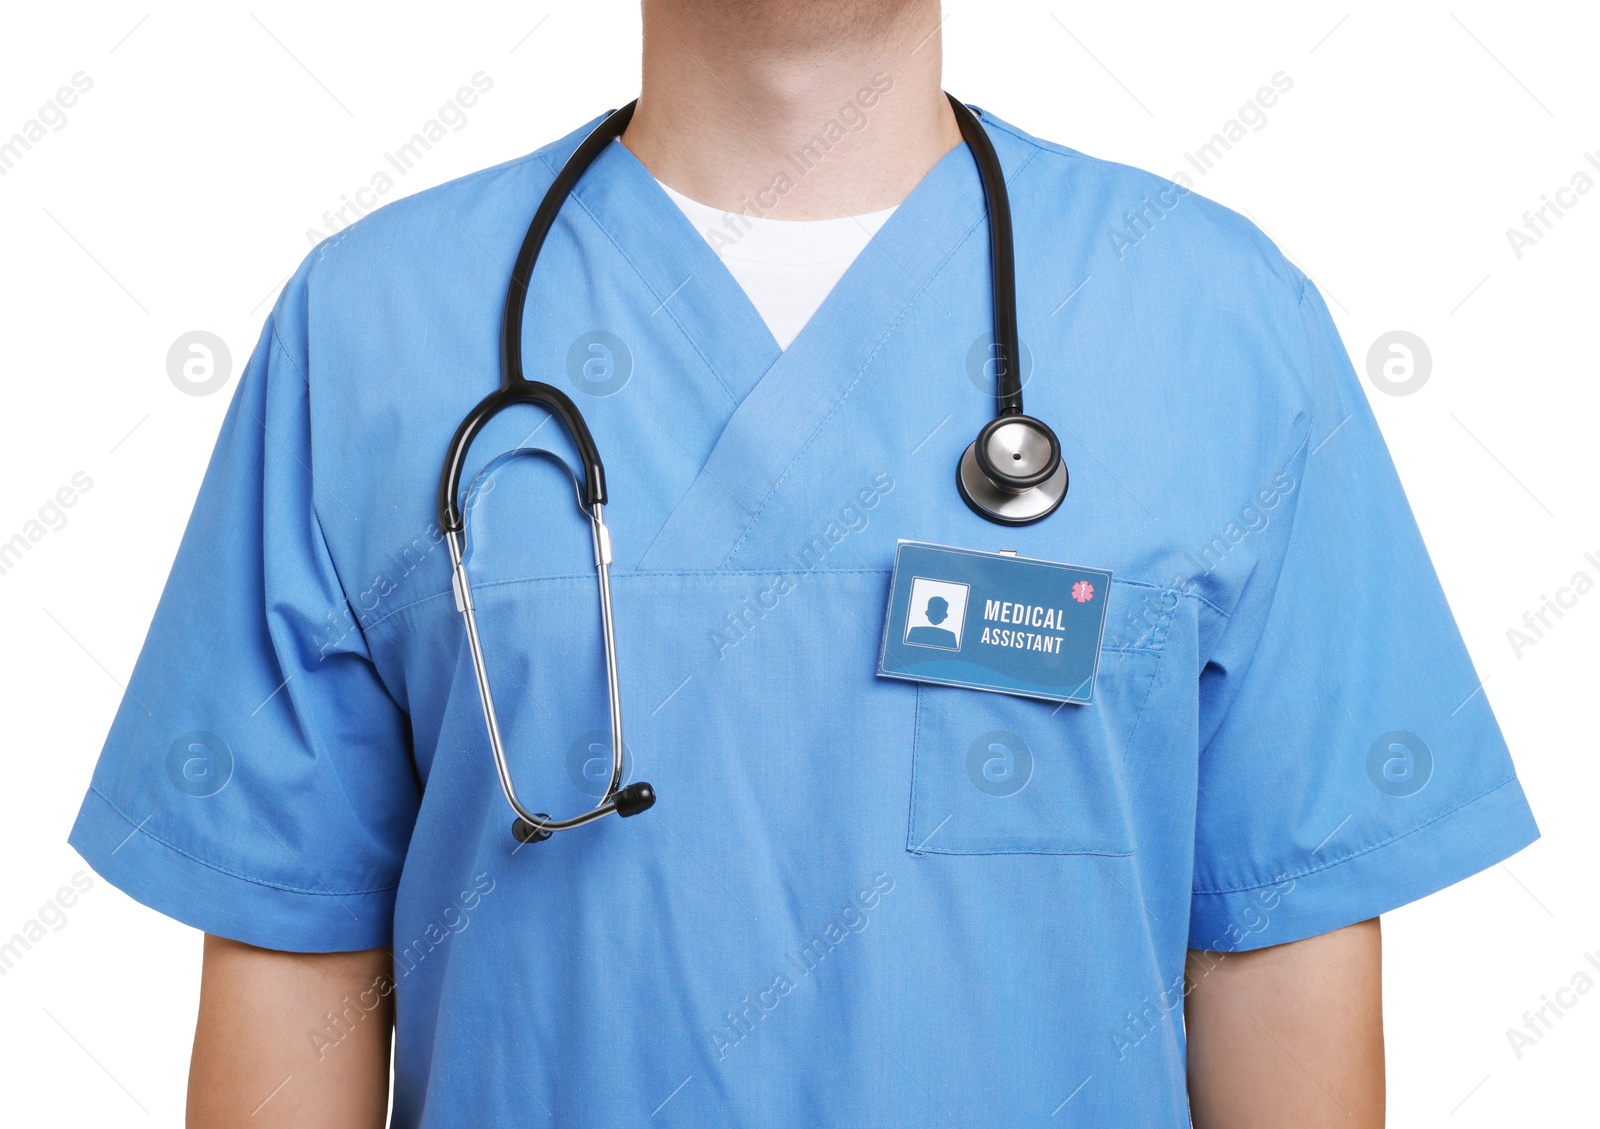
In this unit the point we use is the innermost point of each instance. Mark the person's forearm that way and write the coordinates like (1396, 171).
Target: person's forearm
(1288, 1035)
(291, 1039)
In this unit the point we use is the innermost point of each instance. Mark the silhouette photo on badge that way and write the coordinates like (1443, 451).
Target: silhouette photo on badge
(937, 612)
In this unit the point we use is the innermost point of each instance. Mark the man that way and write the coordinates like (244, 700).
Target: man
(836, 915)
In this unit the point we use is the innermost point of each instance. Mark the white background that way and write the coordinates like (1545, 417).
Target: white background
(179, 194)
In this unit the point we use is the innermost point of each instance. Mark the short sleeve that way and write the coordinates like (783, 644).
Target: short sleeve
(257, 782)
(1350, 762)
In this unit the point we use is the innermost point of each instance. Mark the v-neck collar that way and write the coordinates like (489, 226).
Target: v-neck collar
(782, 398)
(693, 288)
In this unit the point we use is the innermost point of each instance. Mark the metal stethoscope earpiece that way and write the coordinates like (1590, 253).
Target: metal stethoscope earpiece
(1012, 474)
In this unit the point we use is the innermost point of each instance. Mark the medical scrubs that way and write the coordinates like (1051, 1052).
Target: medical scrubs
(842, 911)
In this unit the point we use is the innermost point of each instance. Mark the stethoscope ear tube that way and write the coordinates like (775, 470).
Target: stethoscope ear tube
(1002, 258)
(1012, 474)
(632, 800)
(522, 392)
(532, 827)
(514, 387)
(543, 220)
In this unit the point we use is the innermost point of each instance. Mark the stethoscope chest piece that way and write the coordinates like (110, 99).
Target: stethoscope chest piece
(1013, 473)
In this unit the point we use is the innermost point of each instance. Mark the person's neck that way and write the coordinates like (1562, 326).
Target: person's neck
(793, 111)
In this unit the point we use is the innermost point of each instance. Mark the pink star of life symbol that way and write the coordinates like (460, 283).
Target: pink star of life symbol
(1083, 591)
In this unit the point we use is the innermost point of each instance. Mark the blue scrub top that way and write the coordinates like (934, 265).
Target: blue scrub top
(833, 916)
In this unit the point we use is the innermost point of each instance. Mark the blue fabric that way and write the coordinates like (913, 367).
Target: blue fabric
(831, 917)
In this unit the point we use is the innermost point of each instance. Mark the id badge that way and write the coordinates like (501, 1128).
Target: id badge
(994, 621)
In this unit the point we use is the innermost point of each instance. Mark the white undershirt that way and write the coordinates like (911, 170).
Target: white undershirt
(786, 267)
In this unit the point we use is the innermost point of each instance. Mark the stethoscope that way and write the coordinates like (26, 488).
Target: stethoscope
(1011, 474)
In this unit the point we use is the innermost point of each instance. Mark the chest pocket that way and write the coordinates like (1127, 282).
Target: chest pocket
(998, 774)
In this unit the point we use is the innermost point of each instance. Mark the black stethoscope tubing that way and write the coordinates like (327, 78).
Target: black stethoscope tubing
(1012, 474)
